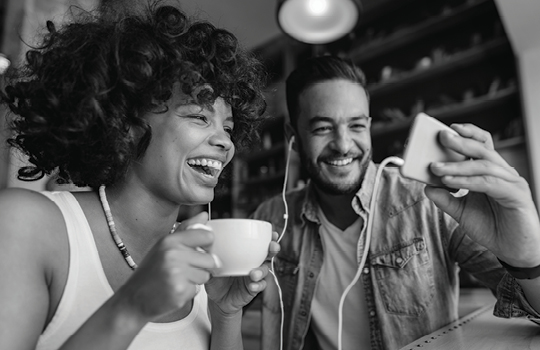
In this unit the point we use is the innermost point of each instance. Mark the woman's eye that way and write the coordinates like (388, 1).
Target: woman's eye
(229, 130)
(200, 117)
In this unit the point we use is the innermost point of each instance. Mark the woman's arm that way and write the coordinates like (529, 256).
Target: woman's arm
(34, 261)
(24, 292)
(226, 329)
(113, 326)
(34, 254)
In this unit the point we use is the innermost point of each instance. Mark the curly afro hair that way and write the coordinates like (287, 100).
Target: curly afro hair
(82, 91)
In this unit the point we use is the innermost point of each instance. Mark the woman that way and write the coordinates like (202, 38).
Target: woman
(146, 110)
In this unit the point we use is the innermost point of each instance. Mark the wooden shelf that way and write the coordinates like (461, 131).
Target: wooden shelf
(447, 113)
(278, 149)
(265, 179)
(480, 104)
(403, 32)
(458, 61)
(430, 27)
(510, 142)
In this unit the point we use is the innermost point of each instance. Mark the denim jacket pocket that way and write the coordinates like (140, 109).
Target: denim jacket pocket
(404, 277)
(287, 273)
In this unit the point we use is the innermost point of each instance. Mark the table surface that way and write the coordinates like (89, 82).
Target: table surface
(480, 330)
(476, 329)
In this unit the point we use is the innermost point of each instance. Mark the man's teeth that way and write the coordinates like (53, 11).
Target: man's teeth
(214, 164)
(340, 162)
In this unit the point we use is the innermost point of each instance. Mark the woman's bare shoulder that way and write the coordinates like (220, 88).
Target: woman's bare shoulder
(34, 251)
(29, 216)
(21, 208)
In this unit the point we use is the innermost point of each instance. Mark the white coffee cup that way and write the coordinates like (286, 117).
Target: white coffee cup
(241, 245)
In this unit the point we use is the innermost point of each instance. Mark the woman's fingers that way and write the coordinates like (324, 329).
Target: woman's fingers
(257, 287)
(199, 276)
(273, 249)
(257, 276)
(259, 273)
(201, 218)
(193, 238)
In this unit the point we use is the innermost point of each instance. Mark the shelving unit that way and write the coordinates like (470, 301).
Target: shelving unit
(459, 112)
(448, 58)
(425, 29)
(459, 61)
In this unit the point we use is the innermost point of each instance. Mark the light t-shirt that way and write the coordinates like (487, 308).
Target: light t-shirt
(337, 272)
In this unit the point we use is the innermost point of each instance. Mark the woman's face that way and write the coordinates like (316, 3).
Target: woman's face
(190, 146)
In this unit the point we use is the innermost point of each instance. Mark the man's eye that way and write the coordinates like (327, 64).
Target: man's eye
(322, 129)
(358, 126)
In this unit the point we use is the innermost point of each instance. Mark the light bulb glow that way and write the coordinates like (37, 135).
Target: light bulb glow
(4, 64)
(318, 7)
(317, 21)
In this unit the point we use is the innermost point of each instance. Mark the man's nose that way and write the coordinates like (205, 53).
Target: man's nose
(342, 142)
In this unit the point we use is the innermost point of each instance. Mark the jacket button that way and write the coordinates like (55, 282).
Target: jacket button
(303, 313)
(372, 313)
(366, 271)
(311, 275)
(399, 261)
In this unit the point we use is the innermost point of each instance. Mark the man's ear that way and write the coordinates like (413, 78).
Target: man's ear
(291, 136)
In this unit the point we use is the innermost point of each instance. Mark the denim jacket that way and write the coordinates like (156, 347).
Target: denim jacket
(411, 275)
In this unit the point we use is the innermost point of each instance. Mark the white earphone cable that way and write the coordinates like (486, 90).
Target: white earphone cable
(286, 220)
(398, 161)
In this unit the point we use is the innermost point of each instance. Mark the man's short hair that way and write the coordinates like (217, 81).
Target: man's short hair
(315, 70)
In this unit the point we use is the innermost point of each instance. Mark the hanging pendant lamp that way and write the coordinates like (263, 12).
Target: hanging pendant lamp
(317, 21)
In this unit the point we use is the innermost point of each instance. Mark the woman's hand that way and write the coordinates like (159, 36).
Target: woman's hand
(499, 212)
(231, 294)
(166, 279)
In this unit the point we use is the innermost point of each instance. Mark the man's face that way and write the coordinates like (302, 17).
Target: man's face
(334, 131)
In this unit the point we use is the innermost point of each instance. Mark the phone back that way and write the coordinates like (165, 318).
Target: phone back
(423, 148)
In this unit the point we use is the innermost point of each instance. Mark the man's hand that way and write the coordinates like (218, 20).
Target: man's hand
(499, 212)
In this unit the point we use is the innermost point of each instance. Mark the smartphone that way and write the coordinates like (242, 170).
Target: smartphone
(423, 148)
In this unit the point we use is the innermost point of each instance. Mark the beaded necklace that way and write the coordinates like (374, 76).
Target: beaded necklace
(112, 228)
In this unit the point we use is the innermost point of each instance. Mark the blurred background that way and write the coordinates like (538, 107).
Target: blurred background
(458, 60)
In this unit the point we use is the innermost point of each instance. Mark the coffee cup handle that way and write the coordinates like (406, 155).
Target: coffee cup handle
(199, 226)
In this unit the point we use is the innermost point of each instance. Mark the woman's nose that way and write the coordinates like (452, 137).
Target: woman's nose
(221, 139)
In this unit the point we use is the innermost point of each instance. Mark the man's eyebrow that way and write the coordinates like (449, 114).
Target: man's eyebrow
(321, 119)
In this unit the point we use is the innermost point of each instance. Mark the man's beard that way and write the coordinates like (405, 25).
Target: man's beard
(333, 188)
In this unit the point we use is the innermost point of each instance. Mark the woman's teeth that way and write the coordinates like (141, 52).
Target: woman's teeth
(208, 167)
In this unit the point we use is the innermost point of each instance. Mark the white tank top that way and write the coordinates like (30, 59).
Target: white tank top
(87, 289)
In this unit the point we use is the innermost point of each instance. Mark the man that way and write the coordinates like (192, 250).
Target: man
(409, 285)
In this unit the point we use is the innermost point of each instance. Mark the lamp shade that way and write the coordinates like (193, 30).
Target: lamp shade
(317, 21)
